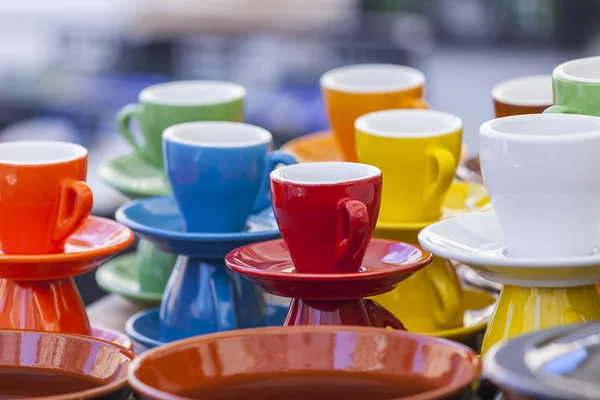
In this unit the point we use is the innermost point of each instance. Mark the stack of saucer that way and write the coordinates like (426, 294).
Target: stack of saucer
(47, 237)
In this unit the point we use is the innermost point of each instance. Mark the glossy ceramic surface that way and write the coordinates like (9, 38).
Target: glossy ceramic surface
(119, 276)
(530, 94)
(447, 367)
(518, 157)
(417, 151)
(326, 213)
(166, 104)
(44, 194)
(476, 240)
(352, 91)
(134, 177)
(219, 172)
(78, 356)
(145, 327)
(576, 85)
(113, 336)
(202, 296)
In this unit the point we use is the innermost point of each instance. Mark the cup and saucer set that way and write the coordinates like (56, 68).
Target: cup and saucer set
(142, 277)
(47, 237)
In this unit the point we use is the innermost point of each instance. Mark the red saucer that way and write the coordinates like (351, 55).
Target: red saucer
(386, 263)
(93, 243)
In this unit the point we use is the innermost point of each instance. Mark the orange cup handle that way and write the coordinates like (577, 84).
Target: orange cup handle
(75, 205)
(382, 318)
(419, 103)
(352, 230)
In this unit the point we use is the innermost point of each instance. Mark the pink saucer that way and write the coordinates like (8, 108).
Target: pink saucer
(386, 263)
(93, 243)
(110, 335)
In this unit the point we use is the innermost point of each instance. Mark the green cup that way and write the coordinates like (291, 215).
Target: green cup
(166, 104)
(576, 87)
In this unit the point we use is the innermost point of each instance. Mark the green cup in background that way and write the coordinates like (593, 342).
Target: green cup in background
(166, 104)
(576, 87)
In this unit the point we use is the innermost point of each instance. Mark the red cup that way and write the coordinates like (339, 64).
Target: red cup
(43, 196)
(326, 212)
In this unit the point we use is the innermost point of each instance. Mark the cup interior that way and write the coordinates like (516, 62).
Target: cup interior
(217, 134)
(324, 173)
(581, 70)
(408, 123)
(534, 90)
(192, 93)
(364, 78)
(36, 364)
(39, 152)
(305, 362)
(543, 127)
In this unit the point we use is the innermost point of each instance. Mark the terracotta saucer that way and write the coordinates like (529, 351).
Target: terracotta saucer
(94, 242)
(321, 146)
(269, 265)
(110, 335)
(134, 177)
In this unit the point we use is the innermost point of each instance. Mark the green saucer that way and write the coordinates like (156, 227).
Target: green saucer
(118, 276)
(134, 177)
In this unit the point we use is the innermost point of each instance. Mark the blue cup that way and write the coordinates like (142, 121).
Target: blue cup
(219, 172)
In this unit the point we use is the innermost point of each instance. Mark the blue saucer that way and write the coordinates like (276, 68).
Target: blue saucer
(158, 220)
(144, 327)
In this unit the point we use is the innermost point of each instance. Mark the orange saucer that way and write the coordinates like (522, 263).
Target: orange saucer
(321, 146)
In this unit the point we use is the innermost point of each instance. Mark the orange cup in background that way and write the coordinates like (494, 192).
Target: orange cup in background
(524, 95)
(352, 91)
(43, 196)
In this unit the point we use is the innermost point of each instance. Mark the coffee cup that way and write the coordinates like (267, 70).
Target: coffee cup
(219, 172)
(166, 104)
(576, 87)
(355, 90)
(326, 212)
(540, 173)
(417, 151)
(44, 195)
(530, 94)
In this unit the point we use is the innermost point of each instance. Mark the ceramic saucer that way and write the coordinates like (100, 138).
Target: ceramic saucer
(144, 327)
(269, 265)
(158, 220)
(94, 242)
(119, 276)
(110, 335)
(134, 177)
(477, 241)
(321, 146)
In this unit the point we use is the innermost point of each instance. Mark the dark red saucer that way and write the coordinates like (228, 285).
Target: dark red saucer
(386, 263)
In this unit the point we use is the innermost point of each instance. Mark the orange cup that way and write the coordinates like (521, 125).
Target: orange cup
(43, 196)
(524, 95)
(352, 91)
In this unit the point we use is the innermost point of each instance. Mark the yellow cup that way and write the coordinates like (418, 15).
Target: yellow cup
(417, 152)
(355, 90)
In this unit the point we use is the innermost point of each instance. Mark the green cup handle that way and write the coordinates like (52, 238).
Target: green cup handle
(124, 117)
(559, 109)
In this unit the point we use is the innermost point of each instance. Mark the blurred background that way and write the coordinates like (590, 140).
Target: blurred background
(67, 66)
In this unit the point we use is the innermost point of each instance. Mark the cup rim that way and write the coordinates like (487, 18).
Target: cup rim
(231, 91)
(252, 136)
(499, 91)
(138, 385)
(360, 172)
(490, 128)
(361, 124)
(76, 152)
(328, 79)
(561, 71)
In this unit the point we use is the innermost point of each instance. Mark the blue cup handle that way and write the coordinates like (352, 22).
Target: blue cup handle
(263, 200)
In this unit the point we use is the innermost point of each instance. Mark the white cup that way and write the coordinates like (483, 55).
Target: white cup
(541, 172)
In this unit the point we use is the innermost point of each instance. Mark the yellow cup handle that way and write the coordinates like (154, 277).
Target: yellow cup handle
(418, 102)
(450, 296)
(572, 316)
(445, 166)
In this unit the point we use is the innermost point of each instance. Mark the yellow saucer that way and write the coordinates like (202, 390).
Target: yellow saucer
(321, 146)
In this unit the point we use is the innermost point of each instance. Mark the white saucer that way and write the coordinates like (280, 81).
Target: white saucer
(477, 241)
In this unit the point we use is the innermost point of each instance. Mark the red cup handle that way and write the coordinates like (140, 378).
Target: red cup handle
(76, 201)
(382, 318)
(352, 230)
